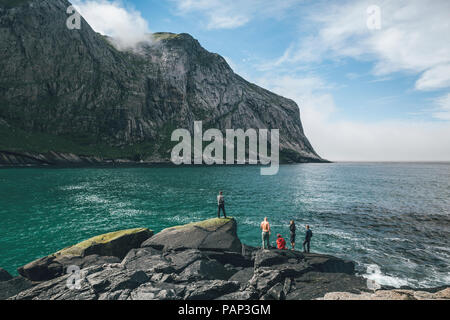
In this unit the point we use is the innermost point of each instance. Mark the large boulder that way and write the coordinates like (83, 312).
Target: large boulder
(116, 244)
(106, 248)
(213, 234)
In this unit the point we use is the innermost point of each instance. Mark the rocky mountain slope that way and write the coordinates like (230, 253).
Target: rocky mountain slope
(69, 96)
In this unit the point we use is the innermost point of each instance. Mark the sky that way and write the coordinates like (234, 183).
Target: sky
(371, 78)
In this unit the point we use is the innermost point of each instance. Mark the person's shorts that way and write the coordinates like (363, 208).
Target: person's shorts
(292, 237)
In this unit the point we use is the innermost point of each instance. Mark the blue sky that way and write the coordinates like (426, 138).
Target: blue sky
(371, 85)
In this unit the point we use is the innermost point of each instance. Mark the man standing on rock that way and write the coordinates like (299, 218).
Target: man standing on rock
(221, 205)
(265, 227)
(292, 230)
(307, 239)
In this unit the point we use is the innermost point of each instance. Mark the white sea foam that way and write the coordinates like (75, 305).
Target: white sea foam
(127, 212)
(377, 278)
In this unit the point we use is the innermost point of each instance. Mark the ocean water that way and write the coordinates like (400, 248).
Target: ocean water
(393, 219)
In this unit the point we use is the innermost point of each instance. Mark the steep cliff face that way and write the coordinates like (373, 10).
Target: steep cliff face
(72, 92)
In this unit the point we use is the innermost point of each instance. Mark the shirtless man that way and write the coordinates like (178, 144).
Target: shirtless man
(265, 227)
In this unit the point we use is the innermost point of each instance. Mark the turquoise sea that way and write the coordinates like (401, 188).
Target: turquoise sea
(393, 219)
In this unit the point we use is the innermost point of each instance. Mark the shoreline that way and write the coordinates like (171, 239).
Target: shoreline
(200, 260)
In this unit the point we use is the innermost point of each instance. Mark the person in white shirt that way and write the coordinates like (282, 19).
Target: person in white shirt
(221, 204)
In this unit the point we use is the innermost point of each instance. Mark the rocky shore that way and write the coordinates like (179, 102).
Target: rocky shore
(203, 260)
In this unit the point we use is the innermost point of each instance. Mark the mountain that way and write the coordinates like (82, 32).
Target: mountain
(69, 96)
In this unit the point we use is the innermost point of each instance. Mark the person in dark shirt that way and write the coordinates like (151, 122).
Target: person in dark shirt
(307, 239)
(292, 229)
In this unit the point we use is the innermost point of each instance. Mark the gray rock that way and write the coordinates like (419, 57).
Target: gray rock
(263, 280)
(115, 295)
(264, 258)
(395, 294)
(147, 260)
(314, 285)
(151, 291)
(327, 263)
(276, 292)
(237, 260)
(107, 248)
(114, 279)
(243, 276)
(13, 286)
(4, 275)
(204, 270)
(56, 289)
(214, 234)
(198, 269)
(287, 285)
(208, 290)
(247, 294)
(180, 260)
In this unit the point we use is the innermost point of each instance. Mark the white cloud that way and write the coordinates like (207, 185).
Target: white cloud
(443, 108)
(232, 14)
(342, 140)
(414, 37)
(125, 25)
(435, 78)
